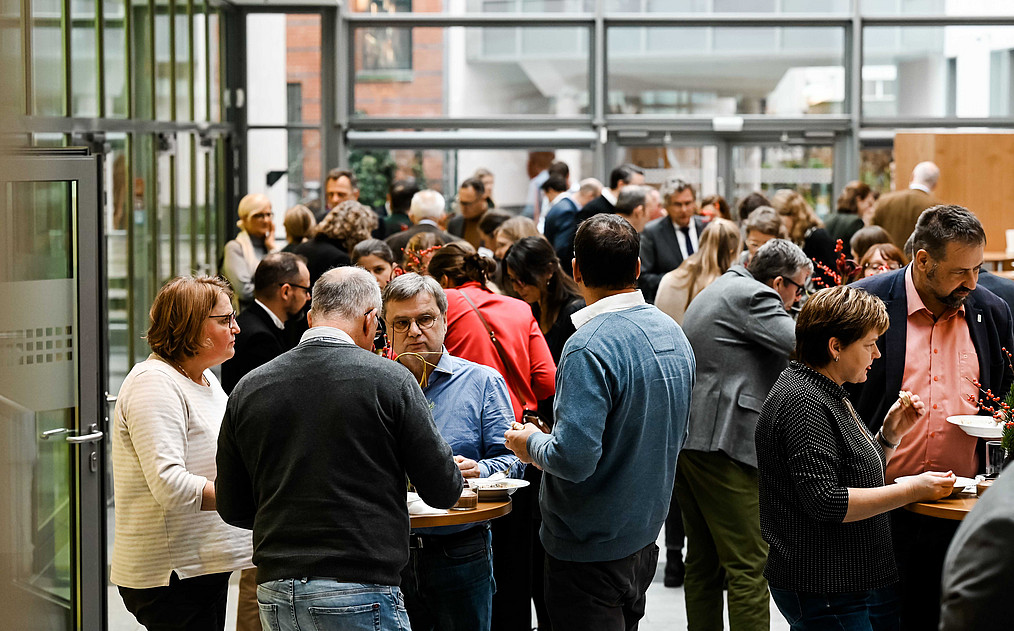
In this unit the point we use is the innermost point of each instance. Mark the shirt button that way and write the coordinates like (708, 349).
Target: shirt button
(933, 434)
(934, 406)
(935, 351)
(936, 378)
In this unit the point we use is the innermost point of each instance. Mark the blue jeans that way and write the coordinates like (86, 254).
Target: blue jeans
(324, 604)
(870, 610)
(448, 582)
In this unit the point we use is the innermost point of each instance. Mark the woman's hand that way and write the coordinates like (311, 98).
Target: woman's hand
(902, 417)
(931, 485)
(269, 238)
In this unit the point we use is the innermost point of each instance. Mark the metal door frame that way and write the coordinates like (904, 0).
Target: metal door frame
(79, 166)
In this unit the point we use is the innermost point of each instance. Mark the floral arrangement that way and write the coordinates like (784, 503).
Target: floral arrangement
(1002, 408)
(846, 272)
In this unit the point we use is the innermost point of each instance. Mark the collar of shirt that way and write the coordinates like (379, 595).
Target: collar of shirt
(428, 221)
(919, 187)
(443, 367)
(608, 194)
(327, 333)
(610, 304)
(274, 318)
(915, 303)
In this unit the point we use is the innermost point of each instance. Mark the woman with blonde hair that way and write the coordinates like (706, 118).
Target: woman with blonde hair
(255, 240)
(172, 553)
(510, 232)
(720, 245)
(335, 236)
(806, 230)
(298, 222)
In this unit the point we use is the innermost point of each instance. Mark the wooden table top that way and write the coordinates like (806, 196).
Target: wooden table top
(948, 508)
(1008, 275)
(483, 512)
(998, 260)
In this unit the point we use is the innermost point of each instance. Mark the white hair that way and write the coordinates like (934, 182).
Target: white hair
(427, 204)
(926, 173)
(344, 293)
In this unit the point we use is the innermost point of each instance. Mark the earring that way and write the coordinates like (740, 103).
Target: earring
(836, 358)
(208, 341)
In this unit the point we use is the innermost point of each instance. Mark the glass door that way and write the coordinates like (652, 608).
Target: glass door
(52, 556)
(805, 168)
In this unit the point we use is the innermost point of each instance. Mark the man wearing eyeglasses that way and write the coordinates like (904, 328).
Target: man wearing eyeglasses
(448, 583)
(742, 334)
(669, 241)
(472, 205)
(281, 289)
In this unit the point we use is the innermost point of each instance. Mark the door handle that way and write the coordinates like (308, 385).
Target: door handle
(87, 438)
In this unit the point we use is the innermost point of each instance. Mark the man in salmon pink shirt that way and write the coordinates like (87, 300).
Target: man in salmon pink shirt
(946, 334)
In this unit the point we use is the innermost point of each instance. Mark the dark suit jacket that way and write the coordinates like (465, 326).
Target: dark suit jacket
(989, 323)
(660, 253)
(598, 205)
(399, 240)
(897, 213)
(321, 254)
(561, 224)
(1000, 286)
(259, 341)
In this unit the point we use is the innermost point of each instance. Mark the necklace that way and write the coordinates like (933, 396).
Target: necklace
(179, 367)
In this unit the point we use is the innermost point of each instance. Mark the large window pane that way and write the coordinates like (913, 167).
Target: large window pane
(283, 68)
(118, 210)
(143, 69)
(963, 71)
(214, 67)
(697, 165)
(182, 63)
(84, 77)
(185, 238)
(163, 61)
(200, 63)
(285, 166)
(115, 60)
(779, 71)
(937, 7)
(729, 6)
(12, 98)
(803, 168)
(48, 62)
(466, 72)
(143, 284)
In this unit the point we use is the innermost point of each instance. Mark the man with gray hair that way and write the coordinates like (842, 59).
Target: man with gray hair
(630, 204)
(448, 583)
(739, 320)
(897, 212)
(427, 213)
(669, 241)
(313, 454)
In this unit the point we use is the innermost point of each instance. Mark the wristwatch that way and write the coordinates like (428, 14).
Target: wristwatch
(886, 444)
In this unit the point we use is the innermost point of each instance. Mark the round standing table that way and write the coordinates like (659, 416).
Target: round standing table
(948, 508)
(483, 512)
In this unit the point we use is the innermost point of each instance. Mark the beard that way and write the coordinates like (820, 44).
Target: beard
(953, 300)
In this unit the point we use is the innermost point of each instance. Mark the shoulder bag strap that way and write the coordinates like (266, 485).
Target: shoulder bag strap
(511, 370)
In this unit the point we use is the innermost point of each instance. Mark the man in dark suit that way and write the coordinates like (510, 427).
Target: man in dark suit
(621, 176)
(426, 212)
(281, 288)
(399, 196)
(472, 204)
(944, 332)
(897, 212)
(561, 220)
(340, 186)
(668, 241)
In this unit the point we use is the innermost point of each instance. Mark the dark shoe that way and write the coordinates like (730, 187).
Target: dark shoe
(675, 573)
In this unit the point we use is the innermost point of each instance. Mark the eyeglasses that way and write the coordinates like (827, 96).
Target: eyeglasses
(800, 289)
(231, 318)
(306, 289)
(424, 322)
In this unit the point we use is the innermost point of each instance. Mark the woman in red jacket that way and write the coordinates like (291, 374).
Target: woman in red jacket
(529, 369)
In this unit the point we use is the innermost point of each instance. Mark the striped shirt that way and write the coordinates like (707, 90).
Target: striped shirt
(811, 448)
(165, 437)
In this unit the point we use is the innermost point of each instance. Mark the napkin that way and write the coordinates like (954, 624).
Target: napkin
(418, 507)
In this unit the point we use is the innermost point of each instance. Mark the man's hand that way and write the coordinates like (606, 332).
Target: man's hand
(468, 467)
(517, 440)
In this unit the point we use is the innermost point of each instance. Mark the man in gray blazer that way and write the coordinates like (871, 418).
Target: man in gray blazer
(742, 334)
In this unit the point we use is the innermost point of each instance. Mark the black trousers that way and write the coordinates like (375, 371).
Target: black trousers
(193, 604)
(920, 544)
(674, 532)
(512, 564)
(599, 595)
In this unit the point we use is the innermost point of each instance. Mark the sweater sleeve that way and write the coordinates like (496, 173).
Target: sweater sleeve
(156, 419)
(427, 457)
(237, 272)
(573, 450)
(234, 498)
(804, 431)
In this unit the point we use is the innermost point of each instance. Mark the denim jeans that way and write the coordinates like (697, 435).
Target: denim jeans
(448, 582)
(324, 604)
(870, 610)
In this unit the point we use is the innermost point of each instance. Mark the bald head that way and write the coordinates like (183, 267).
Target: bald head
(926, 174)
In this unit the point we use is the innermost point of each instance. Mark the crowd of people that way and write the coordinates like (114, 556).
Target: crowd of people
(769, 388)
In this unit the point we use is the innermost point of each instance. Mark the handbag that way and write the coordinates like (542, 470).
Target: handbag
(528, 415)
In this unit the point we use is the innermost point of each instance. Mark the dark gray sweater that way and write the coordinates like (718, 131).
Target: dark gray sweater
(313, 454)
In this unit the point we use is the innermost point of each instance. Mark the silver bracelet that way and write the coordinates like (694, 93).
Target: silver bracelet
(886, 444)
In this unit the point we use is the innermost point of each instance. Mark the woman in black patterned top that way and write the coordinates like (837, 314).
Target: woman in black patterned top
(823, 498)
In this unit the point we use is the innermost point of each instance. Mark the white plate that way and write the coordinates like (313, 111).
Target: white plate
(488, 489)
(978, 426)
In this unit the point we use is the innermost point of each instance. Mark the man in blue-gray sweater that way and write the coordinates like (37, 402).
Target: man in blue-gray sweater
(622, 407)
